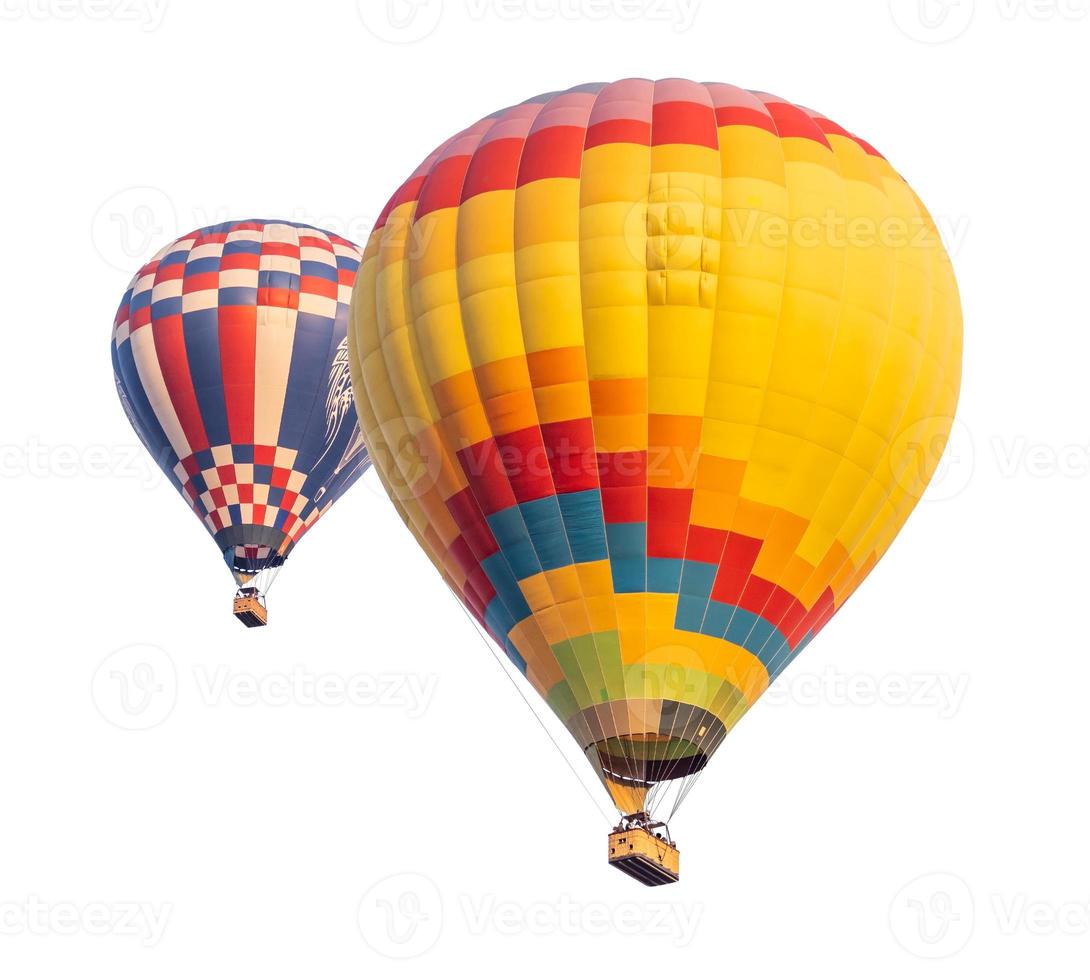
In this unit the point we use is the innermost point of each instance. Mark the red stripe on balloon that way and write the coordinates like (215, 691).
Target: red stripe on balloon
(174, 363)
(493, 168)
(792, 121)
(705, 544)
(570, 448)
(470, 521)
(525, 463)
(555, 151)
(667, 521)
(618, 131)
(624, 505)
(409, 191)
(238, 356)
(743, 116)
(443, 188)
(683, 122)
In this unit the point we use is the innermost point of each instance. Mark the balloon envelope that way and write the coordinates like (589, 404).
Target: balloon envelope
(230, 358)
(655, 372)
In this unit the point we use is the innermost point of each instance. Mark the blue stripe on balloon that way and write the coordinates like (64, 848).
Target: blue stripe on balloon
(697, 578)
(241, 246)
(498, 618)
(178, 257)
(513, 655)
(499, 574)
(739, 626)
(318, 270)
(509, 530)
(277, 279)
(628, 556)
(716, 618)
(237, 296)
(584, 524)
(778, 660)
(196, 267)
(690, 613)
(148, 428)
(546, 528)
(308, 379)
(663, 575)
(169, 306)
(754, 633)
(202, 347)
(321, 449)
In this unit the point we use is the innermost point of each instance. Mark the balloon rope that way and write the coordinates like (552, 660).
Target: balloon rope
(522, 694)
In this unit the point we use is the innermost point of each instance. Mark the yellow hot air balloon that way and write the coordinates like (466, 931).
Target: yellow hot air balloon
(647, 368)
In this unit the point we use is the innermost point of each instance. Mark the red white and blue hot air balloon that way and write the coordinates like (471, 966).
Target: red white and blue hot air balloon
(231, 361)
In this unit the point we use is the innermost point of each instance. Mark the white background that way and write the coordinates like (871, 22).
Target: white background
(414, 820)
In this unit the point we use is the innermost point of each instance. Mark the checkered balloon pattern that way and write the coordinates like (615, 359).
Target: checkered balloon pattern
(230, 358)
(655, 372)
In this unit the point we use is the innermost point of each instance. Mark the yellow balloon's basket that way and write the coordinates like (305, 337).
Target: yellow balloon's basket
(643, 850)
(249, 609)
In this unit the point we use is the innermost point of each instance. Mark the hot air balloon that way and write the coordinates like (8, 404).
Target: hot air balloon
(646, 368)
(230, 357)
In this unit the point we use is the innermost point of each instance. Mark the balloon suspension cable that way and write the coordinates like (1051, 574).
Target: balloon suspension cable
(252, 584)
(643, 820)
(522, 694)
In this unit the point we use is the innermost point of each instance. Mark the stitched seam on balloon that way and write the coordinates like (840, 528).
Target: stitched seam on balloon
(887, 500)
(797, 469)
(630, 757)
(381, 291)
(140, 424)
(455, 462)
(592, 632)
(373, 426)
(756, 668)
(782, 655)
(737, 694)
(420, 376)
(458, 462)
(529, 539)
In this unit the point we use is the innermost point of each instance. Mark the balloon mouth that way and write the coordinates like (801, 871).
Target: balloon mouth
(649, 741)
(624, 766)
(648, 751)
(254, 553)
